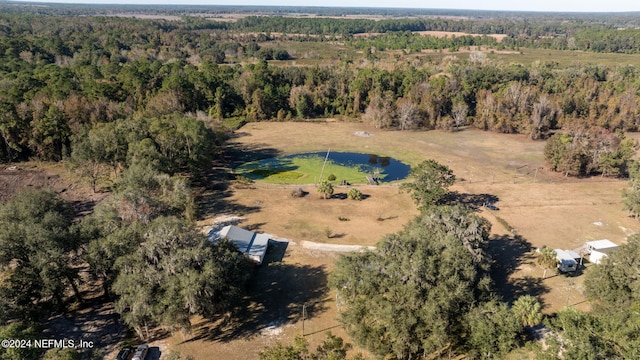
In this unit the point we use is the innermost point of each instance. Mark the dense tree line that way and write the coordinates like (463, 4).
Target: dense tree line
(126, 130)
(67, 83)
(158, 269)
(416, 42)
(611, 19)
(581, 150)
(139, 244)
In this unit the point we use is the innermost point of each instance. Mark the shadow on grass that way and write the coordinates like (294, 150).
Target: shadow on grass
(474, 201)
(345, 196)
(277, 294)
(95, 320)
(216, 199)
(236, 153)
(214, 188)
(509, 252)
(337, 236)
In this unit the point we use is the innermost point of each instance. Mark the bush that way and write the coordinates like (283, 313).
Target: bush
(298, 193)
(331, 177)
(326, 189)
(243, 180)
(354, 194)
(328, 232)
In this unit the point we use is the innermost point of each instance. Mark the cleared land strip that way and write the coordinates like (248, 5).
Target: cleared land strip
(334, 247)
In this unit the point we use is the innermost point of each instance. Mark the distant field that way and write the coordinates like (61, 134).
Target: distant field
(526, 56)
(567, 58)
(326, 54)
(442, 34)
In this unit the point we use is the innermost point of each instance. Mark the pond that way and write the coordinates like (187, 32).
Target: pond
(308, 168)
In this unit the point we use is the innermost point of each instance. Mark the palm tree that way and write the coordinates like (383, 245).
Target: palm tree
(326, 189)
(527, 310)
(547, 258)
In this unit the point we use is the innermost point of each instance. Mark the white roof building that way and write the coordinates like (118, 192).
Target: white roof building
(253, 245)
(599, 249)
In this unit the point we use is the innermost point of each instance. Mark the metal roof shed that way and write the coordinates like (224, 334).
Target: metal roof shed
(253, 245)
(599, 249)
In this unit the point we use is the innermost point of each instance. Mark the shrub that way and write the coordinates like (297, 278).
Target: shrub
(243, 180)
(354, 194)
(328, 232)
(298, 193)
(331, 177)
(326, 189)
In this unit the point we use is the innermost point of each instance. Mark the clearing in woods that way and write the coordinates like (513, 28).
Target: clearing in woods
(540, 207)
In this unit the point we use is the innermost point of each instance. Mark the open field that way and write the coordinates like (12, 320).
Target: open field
(441, 34)
(310, 53)
(527, 56)
(544, 209)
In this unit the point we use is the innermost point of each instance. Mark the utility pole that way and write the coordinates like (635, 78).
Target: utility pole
(304, 310)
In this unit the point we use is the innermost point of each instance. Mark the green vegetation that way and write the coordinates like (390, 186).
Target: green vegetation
(412, 42)
(174, 273)
(299, 170)
(610, 329)
(527, 310)
(395, 305)
(506, 225)
(140, 109)
(631, 195)
(325, 189)
(427, 289)
(430, 184)
(354, 194)
(546, 257)
(332, 348)
(18, 330)
(589, 150)
(38, 240)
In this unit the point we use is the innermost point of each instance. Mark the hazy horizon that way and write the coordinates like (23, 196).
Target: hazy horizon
(496, 5)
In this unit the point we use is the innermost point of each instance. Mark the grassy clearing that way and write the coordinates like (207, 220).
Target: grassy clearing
(526, 56)
(568, 58)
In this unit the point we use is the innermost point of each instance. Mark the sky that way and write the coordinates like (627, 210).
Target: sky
(528, 5)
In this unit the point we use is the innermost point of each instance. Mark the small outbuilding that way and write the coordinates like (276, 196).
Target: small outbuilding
(567, 260)
(599, 249)
(253, 245)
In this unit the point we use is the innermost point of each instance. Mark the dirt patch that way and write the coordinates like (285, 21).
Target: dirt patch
(362, 133)
(35, 175)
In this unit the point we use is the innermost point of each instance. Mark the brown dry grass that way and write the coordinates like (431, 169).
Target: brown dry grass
(446, 34)
(544, 208)
(441, 34)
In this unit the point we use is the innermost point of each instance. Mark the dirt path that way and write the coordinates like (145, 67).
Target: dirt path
(334, 247)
